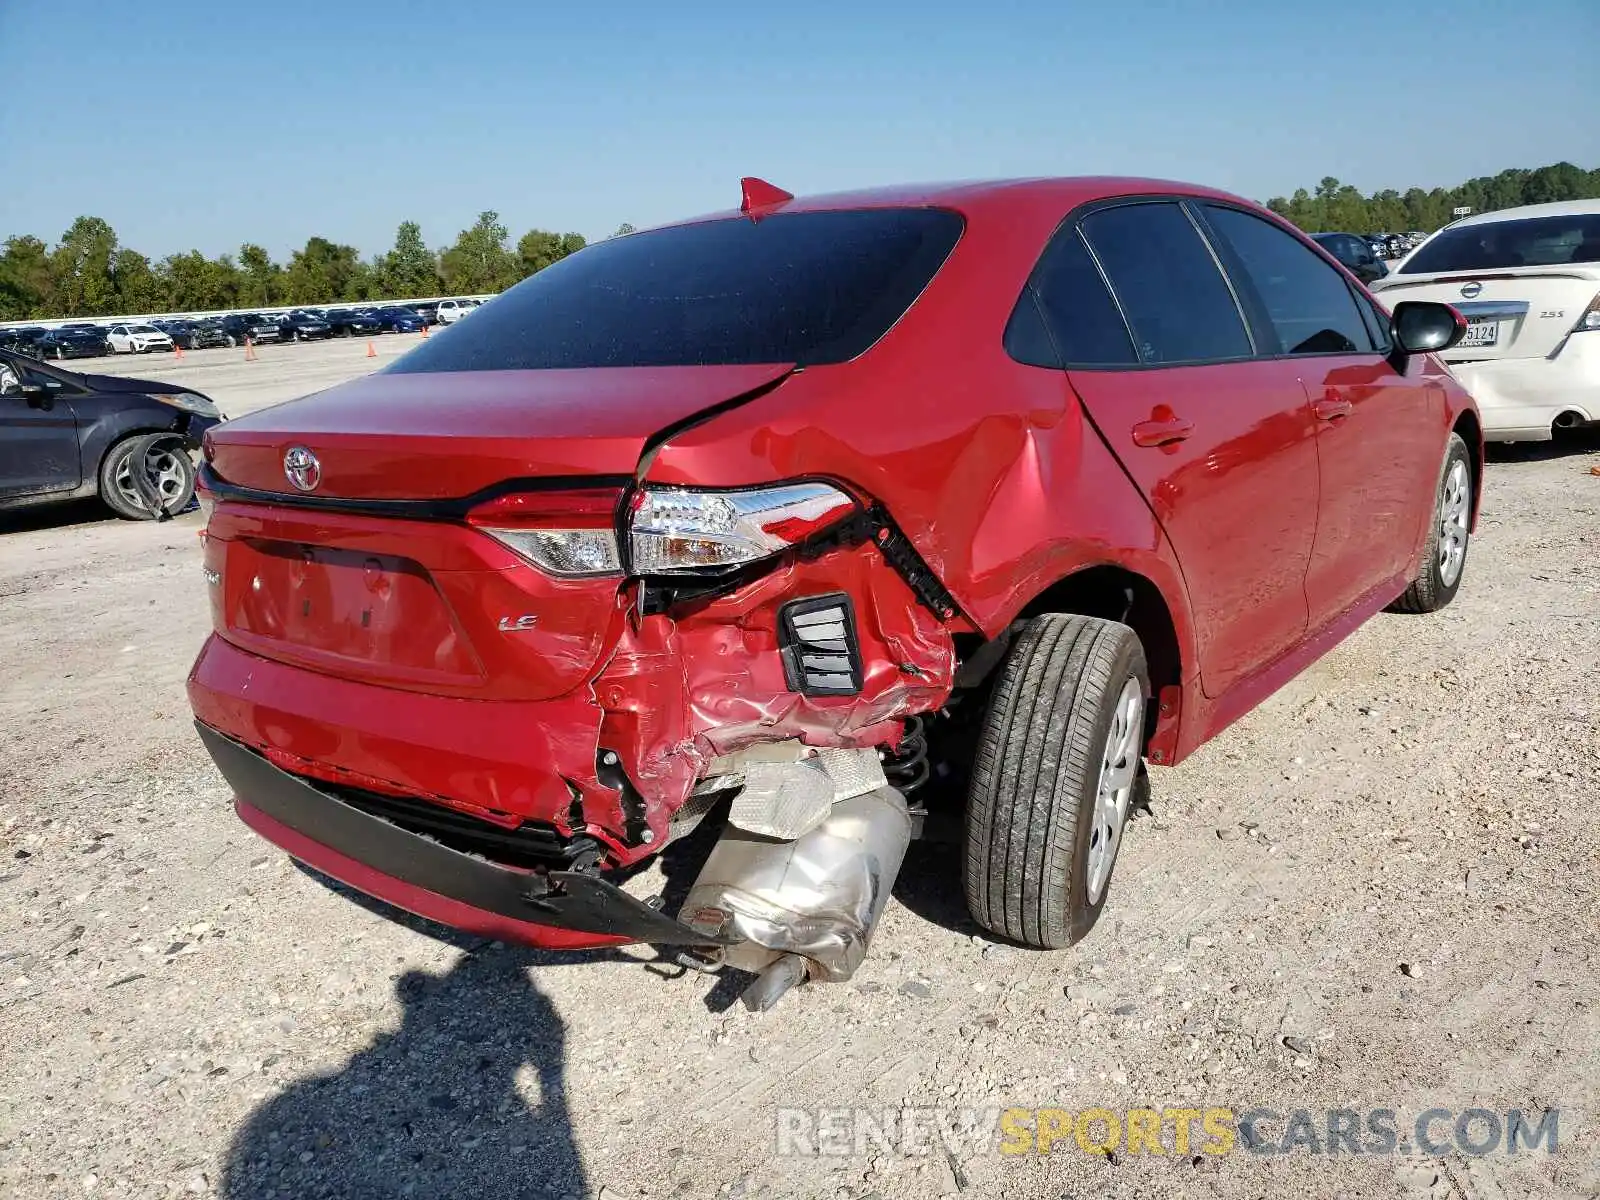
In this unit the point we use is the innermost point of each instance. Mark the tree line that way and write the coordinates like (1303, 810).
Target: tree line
(1334, 207)
(89, 273)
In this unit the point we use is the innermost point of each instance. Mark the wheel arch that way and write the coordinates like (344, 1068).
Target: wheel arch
(1118, 593)
(114, 429)
(1470, 430)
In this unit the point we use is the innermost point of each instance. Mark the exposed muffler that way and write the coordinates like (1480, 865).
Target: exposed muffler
(803, 908)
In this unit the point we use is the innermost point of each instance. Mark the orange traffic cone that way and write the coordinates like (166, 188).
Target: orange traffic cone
(177, 352)
(424, 329)
(249, 350)
(372, 351)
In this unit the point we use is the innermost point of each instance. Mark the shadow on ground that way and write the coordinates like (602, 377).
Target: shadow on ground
(54, 516)
(466, 1098)
(1568, 443)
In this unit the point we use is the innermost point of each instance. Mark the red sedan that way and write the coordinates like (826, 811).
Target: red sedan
(819, 520)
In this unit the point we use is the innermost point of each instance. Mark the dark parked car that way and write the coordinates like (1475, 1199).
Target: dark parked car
(428, 312)
(238, 326)
(1355, 253)
(71, 341)
(24, 340)
(395, 318)
(64, 436)
(195, 335)
(353, 322)
(302, 326)
(208, 332)
(985, 493)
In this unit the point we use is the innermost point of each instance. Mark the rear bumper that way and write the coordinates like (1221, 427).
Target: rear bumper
(499, 757)
(1520, 398)
(556, 909)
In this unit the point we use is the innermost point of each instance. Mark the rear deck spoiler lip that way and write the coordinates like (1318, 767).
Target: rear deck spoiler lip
(1392, 283)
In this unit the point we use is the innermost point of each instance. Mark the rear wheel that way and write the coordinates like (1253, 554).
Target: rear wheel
(1057, 772)
(1444, 558)
(165, 467)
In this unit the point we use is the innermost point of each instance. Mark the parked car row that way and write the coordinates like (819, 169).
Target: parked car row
(89, 339)
(1395, 245)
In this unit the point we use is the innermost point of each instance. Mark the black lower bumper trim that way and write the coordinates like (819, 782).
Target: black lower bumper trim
(572, 900)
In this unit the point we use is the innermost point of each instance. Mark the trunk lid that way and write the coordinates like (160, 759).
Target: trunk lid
(1515, 312)
(431, 436)
(429, 603)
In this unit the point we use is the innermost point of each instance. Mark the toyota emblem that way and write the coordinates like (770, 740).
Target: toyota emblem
(1469, 290)
(302, 468)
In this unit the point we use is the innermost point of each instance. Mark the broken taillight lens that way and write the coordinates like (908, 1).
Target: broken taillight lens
(678, 530)
(571, 533)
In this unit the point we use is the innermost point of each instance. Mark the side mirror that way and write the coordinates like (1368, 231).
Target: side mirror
(1426, 327)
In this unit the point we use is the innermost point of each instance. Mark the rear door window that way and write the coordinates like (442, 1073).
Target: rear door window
(1167, 284)
(1081, 318)
(1308, 304)
(808, 288)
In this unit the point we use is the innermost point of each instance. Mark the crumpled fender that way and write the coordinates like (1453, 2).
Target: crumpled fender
(682, 689)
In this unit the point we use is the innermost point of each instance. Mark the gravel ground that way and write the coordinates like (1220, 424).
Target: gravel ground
(1377, 891)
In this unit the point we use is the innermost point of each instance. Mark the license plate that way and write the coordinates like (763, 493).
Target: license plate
(1481, 333)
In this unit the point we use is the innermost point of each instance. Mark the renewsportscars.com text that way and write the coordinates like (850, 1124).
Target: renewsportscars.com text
(1218, 1130)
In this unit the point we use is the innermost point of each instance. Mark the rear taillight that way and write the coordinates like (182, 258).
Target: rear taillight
(679, 531)
(1589, 319)
(570, 534)
(670, 531)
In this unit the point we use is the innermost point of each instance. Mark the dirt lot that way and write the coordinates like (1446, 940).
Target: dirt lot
(1377, 892)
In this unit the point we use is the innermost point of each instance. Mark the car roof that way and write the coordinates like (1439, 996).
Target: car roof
(1049, 197)
(1556, 208)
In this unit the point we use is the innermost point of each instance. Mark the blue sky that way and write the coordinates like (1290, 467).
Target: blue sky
(202, 124)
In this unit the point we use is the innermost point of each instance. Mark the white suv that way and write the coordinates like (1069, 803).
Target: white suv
(1528, 282)
(137, 339)
(451, 311)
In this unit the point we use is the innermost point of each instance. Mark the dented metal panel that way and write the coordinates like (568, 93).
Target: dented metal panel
(683, 689)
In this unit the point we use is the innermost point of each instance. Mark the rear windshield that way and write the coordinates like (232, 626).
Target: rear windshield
(1531, 242)
(807, 288)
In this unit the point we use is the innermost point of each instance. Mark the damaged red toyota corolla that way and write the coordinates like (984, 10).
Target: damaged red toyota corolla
(811, 518)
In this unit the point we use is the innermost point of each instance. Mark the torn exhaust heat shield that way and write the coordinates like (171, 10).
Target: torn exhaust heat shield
(817, 897)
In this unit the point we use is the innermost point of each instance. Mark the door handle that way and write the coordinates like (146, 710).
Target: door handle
(1331, 407)
(1162, 429)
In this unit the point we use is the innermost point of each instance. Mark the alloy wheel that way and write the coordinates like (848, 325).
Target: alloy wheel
(1119, 769)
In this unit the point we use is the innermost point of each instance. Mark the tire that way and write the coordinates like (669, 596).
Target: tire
(1038, 861)
(61, 354)
(172, 473)
(1444, 558)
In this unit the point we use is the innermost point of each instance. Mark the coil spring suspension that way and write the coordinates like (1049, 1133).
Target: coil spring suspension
(908, 767)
